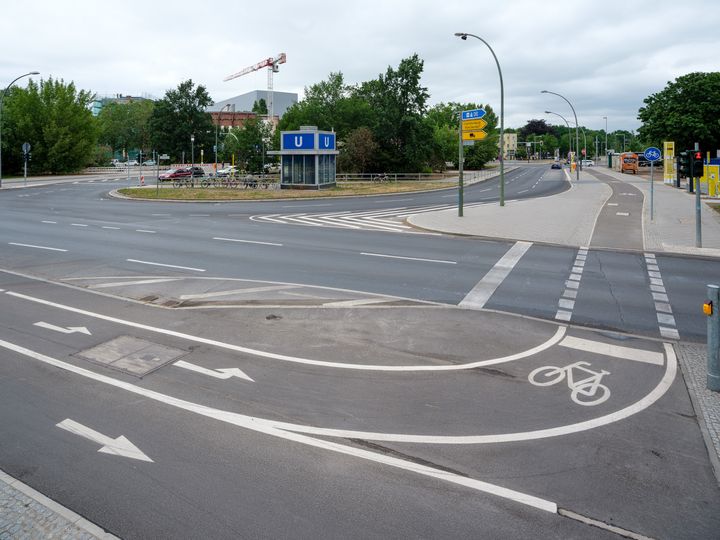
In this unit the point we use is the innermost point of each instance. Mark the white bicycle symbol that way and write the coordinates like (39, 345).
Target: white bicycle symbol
(584, 391)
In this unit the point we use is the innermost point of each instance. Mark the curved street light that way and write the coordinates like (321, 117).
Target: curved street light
(2, 98)
(577, 130)
(464, 36)
(566, 123)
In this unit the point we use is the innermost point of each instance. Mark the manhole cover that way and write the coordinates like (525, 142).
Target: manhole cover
(132, 355)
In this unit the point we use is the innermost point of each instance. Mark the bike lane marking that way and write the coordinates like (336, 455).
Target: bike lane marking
(664, 313)
(566, 304)
(607, 349)
(265, 426)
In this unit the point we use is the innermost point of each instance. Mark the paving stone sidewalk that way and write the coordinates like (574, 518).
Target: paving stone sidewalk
(27, 514)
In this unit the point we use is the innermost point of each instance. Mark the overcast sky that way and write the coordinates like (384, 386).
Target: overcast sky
(605, 57)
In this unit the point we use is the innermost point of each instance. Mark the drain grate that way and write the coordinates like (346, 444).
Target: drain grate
(131, 355)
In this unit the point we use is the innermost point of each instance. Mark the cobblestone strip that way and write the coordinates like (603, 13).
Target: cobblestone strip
(26, 513)
(663, 310)
(693, 360)
(566, 304)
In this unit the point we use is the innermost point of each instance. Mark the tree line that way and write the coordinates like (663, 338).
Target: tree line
(382, 125)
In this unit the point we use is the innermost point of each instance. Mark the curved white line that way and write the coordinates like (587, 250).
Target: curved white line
(644, 403)
(298, 360)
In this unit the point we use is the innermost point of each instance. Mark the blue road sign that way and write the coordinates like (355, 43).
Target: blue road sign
(652, 153)
(473, 115)
(326, 141)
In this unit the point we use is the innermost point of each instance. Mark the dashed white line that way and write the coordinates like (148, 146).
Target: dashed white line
(566, 304)
(663, 310)
(246, 241)
(78, 225)
(408, 258)
(36, 247)
(145, 231)
(166, 265)
(112, 228)
(51, 222)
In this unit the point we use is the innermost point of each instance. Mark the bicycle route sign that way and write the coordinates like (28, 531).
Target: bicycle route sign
(652, 153)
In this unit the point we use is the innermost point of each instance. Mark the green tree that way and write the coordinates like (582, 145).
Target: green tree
(685, 111)
(180, 115)
(400, 102)
(55, 119)
(358, 151)
(249, 144)
(125, 126)
(260, 107)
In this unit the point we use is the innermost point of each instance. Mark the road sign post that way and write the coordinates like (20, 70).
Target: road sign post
(652, 154)
(471, 129)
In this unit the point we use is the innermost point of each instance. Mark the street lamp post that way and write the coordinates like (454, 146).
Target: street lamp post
(192, 158)
(464, 36)
(606, 148)
(577, 129)
(217, 126)
(2, 98)
(567, 124)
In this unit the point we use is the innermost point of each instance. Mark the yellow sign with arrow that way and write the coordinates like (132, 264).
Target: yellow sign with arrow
(473, 135)
(473, 125)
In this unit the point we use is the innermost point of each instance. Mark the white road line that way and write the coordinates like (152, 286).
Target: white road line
(667, 325)
(158, 215)
(616, 351)
(36, 247)
(247, 290)
(78, 225)
(307, 361)
(124, 283)
(407, 258)
(265, 426)
(358, 302)
(622, 213)
(485, 288)
(112, 228)
(166, 265)
(145, 231)
(572, 284)
(246, 241)
(51, 222)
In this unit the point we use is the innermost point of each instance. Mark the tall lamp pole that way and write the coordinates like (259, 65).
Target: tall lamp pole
(2, 98)
(577, 129)
(217, 126)
(567, 124)
(464, 36)
(606, 148)
(192, 160)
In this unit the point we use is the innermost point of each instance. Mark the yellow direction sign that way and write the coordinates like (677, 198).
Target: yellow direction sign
(474, 125)
(473, 135)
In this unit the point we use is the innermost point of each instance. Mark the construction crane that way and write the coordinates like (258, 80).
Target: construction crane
(273, 67)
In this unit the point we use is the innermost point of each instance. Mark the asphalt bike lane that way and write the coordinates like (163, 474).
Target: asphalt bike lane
(543, 372)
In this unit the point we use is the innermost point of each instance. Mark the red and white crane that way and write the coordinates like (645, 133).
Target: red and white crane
(273, 67)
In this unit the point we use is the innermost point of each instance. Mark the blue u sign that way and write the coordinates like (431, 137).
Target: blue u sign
(326, 141)
(652, 153)
(298, 141)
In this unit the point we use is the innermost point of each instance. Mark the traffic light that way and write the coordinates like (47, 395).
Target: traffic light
(696, 165)
(684, 164)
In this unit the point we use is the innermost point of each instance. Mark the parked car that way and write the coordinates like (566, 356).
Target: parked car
(149, 163)
(588, 163)
(556, 165)
(132, 163)
(272, 168)
(196, 171)
(227, 171)
(172, 174)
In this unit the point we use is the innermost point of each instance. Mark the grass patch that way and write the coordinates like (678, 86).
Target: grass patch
(241, 194)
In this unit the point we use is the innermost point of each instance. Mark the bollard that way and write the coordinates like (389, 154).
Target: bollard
(712, 309)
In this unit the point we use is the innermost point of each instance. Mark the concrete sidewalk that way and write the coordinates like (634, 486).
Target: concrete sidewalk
(569, 217)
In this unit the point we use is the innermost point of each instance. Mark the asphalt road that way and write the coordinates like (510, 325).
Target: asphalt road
(373, 398)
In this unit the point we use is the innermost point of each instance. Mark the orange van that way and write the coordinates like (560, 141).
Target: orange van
(628, 162)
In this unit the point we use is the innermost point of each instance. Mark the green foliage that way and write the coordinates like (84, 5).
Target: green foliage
(358, 151)
(685, 111)
(55, 119)
(249, 144)
(126, 125)
(180, 114)
(260, 107)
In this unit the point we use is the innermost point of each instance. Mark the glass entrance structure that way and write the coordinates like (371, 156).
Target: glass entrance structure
(308, 158)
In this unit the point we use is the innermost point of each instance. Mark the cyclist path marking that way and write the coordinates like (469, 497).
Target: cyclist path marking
(619, 224)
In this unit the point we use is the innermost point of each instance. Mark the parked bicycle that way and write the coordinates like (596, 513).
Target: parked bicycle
(583, 391)
(381, 178)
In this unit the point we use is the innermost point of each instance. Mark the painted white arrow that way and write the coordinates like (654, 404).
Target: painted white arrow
(68, 330)
(118, 447)
(224, 373)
